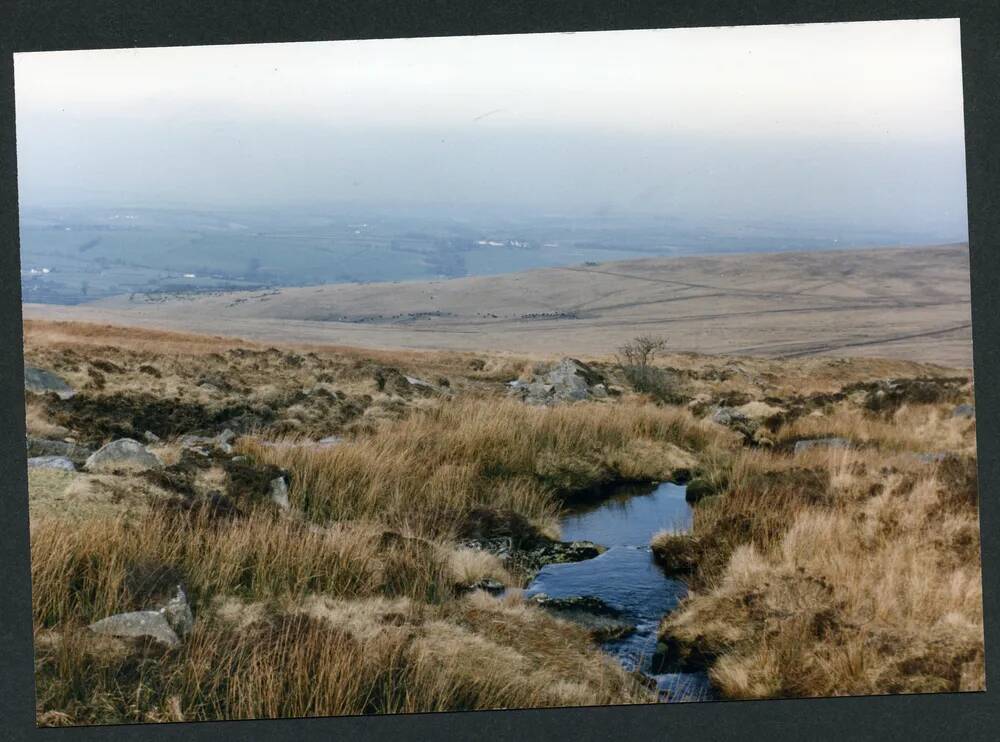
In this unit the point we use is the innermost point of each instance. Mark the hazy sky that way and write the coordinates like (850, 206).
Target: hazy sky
(859, 121)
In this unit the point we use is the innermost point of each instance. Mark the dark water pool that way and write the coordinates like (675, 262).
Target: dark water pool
(625, 576)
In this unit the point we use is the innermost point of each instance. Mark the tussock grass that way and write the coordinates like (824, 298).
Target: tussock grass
(429, 470)
(84, 573)
(840, 572)
(333, 657)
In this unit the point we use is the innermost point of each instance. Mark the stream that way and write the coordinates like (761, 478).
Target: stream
(626, 577)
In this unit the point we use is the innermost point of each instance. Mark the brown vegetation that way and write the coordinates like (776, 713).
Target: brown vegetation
(835, 572)
(823, 572)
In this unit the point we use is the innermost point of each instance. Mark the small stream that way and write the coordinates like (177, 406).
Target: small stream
(625, 576)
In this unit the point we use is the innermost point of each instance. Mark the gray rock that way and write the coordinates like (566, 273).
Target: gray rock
(40, 381)
(602, 621)
(138, 624)
(151, 437)
(967, 411)
(279, 493)
(806, 445)
(931, 457)
(44, 447)
(177, 611)
(569, 380)
(51, 462)
(124, 453)
(414, 381)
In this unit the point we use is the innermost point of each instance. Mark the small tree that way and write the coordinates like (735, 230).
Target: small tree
(641, 351)
(636, 361)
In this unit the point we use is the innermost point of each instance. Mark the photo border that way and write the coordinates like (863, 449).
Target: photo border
(36, 25)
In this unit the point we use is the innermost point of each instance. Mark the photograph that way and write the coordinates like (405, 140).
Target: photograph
(462, 373)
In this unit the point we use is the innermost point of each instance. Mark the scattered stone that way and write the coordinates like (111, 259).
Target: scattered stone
(124, 453)
(967, 411)
(138, 624)
(41, 381)
(151, 437)
(807, 445)
(39, 447)
(602, 621)
(51, 462)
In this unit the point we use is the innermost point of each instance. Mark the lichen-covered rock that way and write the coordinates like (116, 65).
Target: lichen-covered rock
(51, 462)
(569, 380)
(807, 445)
(124, 453)
(41, 381)
(138, 624)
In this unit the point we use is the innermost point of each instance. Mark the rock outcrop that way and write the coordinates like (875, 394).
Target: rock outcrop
(569, 380)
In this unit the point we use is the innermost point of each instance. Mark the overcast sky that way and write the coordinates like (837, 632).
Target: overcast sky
(859, 121)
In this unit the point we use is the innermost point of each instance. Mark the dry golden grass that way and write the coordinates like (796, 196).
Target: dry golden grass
(320, 622)
(429, 470)
(821, 573)
(334, 657)
(841, 572)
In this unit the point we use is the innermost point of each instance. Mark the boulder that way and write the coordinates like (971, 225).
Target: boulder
(38, 447)
(138, 624)
(967, 411)
(124, 453)
(603, 622)
(807, 445)
(51, 462)
(41, 381)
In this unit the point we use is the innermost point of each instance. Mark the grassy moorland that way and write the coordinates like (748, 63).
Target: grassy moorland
(819, 572)
(835, 572)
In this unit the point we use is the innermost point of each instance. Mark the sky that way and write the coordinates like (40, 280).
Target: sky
(848, 123)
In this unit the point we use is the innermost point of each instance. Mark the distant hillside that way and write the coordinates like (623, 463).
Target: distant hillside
(911, 303)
